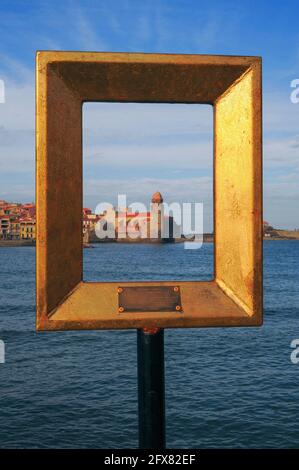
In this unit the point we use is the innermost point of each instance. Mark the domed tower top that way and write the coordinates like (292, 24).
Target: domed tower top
(157, 198)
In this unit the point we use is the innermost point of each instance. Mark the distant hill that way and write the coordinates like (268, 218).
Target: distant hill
(289, 234)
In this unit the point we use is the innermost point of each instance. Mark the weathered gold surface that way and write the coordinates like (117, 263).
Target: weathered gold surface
(233, 86)
(94, 305)
(238, 187)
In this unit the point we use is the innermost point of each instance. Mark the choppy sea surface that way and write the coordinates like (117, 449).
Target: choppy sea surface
(225, 387)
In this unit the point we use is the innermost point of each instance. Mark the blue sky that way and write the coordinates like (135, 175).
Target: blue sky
(143, 148)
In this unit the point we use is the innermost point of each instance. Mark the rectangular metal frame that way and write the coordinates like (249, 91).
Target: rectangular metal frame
(232, 85)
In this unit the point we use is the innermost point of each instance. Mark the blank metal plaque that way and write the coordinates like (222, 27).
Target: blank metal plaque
(149, 299)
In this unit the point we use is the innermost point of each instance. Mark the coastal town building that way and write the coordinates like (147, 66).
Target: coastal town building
(4, 226)
(15, 229)
(18, 222)
(125, 225)
(27, 228)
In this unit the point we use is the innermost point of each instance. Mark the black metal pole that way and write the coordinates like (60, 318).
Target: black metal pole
(151, 388)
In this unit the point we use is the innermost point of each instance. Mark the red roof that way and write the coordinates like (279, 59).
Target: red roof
(32, 211)
(157, 198)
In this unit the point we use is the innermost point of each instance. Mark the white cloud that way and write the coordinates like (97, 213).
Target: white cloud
(15, 71)
(155, 135)
(17, 151)
(87, 36)
(280, 114)
(18, 111)
(141, 189)
(282, 153)
(195, 156)
(146, 120)
(174, 137)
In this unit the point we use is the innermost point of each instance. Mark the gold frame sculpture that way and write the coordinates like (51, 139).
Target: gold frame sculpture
(64, 81)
